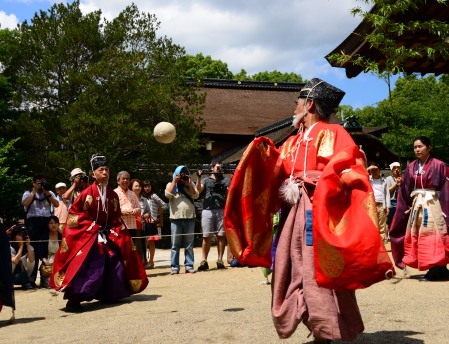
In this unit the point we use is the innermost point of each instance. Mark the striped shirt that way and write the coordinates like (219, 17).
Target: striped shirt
(156, 203)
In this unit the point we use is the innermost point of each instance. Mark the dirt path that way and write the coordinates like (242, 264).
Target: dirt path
(220, 306)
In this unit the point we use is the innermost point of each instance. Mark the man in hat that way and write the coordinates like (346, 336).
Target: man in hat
(80, 181)
(61, 212)
(327, 241)
(95, 259)
(392, 184)
(380, 195)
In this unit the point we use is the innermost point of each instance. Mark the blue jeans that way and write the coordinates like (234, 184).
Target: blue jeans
(182, 234)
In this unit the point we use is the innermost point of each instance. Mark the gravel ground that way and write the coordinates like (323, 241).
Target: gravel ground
(220, 306)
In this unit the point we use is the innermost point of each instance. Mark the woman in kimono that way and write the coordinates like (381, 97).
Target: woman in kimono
(418, 234)
(96, 259)
(328, 242)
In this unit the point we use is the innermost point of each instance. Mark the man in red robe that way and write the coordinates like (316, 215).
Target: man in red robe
(328, 243)
(96, 259)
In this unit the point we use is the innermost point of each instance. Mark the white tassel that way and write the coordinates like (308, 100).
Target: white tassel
(289, 192)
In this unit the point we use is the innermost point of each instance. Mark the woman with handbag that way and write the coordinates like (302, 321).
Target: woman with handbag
(157, 206)
(52, 239)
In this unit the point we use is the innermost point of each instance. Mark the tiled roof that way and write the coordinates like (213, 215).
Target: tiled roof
(241, 108)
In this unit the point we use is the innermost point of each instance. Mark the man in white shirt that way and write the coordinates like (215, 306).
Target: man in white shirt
(382, 202)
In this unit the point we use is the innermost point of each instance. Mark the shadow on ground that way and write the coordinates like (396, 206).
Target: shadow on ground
(385, 337)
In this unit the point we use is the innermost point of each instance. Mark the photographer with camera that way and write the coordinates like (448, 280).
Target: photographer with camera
(215, 187)
(181, 192)
(22, 257)
(80, 181)
(37, 205)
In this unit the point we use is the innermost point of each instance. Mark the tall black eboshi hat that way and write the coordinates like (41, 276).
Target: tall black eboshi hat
(323, 91)
(97, 161)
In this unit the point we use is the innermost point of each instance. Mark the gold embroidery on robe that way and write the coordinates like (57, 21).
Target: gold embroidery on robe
(277, 169)
(135, 285)
(261, 203)
(330, 259)
(264, 150)
(370, 207)
(338, 227)
(288, 148)
(325, 143)
(58, 278)
(114, 203)
(248, 182)
(64, 246)
(249, 227)
(244, 156)
(72, 220)
(87, 202)
(234, 244)
(262, 243)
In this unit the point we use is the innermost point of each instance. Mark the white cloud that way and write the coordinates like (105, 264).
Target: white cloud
(8, 21)
(255, 35)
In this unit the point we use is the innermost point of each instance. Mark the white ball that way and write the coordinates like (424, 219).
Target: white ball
(164, 132)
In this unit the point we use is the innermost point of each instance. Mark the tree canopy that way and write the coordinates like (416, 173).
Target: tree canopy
(87, 85)
(201, 67)
(422, 108)
(388, 24)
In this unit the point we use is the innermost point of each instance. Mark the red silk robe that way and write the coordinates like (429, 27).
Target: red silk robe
(312, 282)
(85, 219)
(349, 252)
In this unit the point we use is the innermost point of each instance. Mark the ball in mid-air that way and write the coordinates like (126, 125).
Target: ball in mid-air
(164, 132)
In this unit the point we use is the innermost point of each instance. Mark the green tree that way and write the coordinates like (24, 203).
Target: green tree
(421, 109)
(13, 170)
(12, 183)
(276, 76)
(387, 23)
(202, 67)
(91, 85)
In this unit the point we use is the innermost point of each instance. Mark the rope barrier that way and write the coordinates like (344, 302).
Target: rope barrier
(133, 237)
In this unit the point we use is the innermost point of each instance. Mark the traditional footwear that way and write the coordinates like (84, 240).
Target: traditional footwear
(436, 273)
(203, 266)
(74, 307)
(190, 270)
(220, 265)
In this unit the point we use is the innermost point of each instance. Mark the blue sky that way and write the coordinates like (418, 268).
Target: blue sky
(256, 35)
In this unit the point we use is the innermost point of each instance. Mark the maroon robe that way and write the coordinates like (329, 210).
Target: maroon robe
(427, 250)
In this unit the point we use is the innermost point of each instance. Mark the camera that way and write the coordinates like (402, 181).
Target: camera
(44, 184)
(24, 234)
(219, 188)
(84, 178)
(184, 176)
